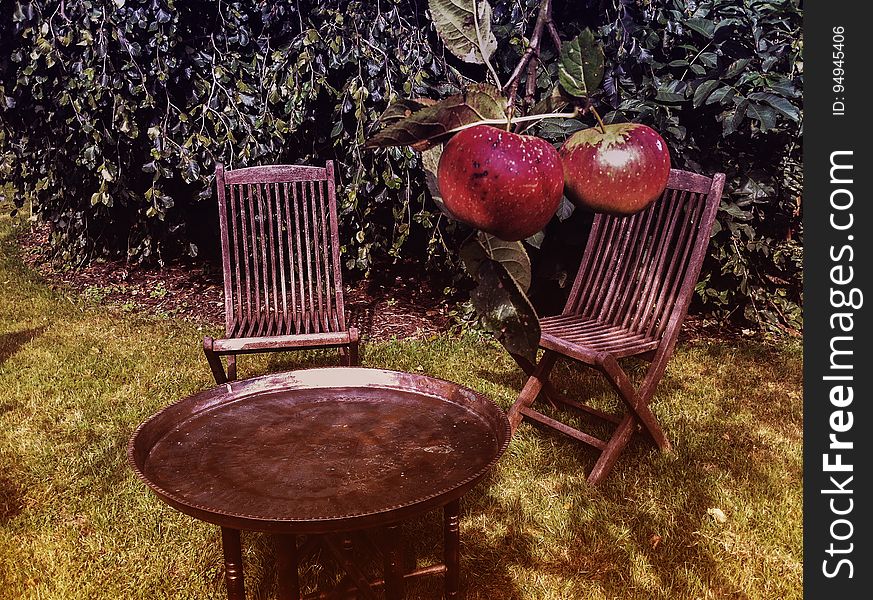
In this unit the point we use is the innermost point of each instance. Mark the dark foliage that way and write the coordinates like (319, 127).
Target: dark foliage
(114, 112)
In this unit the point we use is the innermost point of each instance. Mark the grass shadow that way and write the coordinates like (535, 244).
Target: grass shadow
(642, 528)
(11, 342)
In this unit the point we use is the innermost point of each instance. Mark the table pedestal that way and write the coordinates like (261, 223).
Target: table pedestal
(394, 578)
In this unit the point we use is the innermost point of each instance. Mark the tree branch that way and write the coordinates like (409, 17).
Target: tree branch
(527, 61)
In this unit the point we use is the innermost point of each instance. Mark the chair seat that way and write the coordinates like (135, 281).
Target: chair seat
(278, 342)
(589, 340)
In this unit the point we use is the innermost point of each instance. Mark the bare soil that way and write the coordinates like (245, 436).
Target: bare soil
(398, 303)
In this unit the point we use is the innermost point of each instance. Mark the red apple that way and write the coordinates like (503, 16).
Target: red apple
(503, 183)
(619, 171)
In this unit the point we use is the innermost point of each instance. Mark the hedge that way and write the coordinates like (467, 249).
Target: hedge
(113, 114)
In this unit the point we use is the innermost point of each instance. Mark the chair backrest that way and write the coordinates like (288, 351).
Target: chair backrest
(638, 272)
(280, 250)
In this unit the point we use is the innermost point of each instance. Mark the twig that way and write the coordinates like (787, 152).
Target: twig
(544, 21)
(539, 117)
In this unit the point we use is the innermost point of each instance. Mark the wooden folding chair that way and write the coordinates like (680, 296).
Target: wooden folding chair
(629, 298)
(280, 251)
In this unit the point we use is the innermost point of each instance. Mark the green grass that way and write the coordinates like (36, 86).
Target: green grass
(76, 379)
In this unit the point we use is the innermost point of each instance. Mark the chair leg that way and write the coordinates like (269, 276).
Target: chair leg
(532, 388)
(214, 361)
(637, 402)
(620, 438)
(354, 356)
(231, 367)
(551, 394)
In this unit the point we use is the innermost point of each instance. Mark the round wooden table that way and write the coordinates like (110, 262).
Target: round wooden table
(325, 452)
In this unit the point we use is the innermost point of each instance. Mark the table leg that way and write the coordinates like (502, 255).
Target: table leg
(233, 568)
(286, 564)
(452, 548)
(395, 588)
(343, 554)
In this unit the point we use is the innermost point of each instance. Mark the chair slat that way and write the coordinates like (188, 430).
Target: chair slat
(653, 275)
(272, 248)
(247, 279)
(281, 251)
(329, 319)
(300, 309)
(291, 314)
(629, 280)
(335, 250)
(317, 248)
(310, 305)
(679, 269)
(233, 238)
(595, 271)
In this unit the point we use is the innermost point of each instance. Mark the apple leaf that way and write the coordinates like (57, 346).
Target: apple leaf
(565, 209)
(429, 125)
(430, 161)
(703, 91)
(511, 255)
(488, 101)
(499, 301)
(536, 240)
(580, 68)
(465, 28)
(403, 108)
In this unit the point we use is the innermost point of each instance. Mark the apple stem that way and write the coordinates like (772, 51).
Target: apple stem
(599, 120)
(539, 117)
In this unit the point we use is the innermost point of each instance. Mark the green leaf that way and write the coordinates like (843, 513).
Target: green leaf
(735, 211)
(558, 129)
(499, 301)
(709, 59)
(486, 100)
(737, 67)
(400, 109)
(785, 88)
(704, 27)
(723, 95)
(703, 91)
(432, 124)
(430, 161)
(762, 113)
(782, 105)
(733, 118)
(511, 255)
(670, 97)
(580, 68)
(554, 102)
(465, 28)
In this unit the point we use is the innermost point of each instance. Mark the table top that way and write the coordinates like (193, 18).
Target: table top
(319, 450)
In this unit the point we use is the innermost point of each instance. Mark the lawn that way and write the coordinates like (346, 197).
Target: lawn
(720, 517)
